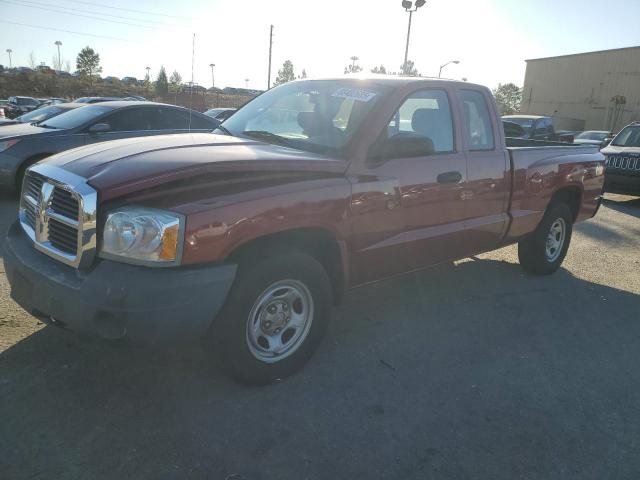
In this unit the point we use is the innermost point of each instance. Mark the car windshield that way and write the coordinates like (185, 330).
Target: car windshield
(525, 123)
(75, 118)
(628, 137)
(39, 115)
(599, 136)
(314, 115)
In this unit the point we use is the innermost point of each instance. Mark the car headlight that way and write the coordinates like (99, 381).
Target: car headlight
(143, 236)
(8, 144)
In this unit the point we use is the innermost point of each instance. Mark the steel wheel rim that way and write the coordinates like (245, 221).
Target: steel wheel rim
(555, 239)
(279, 321)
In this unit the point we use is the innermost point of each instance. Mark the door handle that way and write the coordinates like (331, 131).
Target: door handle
(450, 177)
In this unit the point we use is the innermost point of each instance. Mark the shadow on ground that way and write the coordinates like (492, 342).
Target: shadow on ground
(627, 205)
(467, 371)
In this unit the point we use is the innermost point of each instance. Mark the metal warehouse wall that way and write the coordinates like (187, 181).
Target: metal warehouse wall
(588, 91)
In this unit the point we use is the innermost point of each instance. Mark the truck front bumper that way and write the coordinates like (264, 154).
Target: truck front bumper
(116, 301)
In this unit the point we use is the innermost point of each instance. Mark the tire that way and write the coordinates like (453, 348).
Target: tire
(258, 347)
(534, 256)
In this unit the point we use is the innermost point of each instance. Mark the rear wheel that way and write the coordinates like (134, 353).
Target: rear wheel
(544, 250)
(274, 319)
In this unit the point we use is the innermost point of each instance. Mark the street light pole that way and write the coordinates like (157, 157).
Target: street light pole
(407, 5)
(58, 43)
(442, 66)
(213, 81)
(9, 52)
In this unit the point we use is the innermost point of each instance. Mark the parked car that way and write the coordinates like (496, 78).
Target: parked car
(220, 114)
(593, 137)
(41, 114)
(8, 110)
(129, 81)
(262, 228)
(24, 144)
(537, 127)
(96, 99)
(623, 162)
(24, 104)
(512, 129)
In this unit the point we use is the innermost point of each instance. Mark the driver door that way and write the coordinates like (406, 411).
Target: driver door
(418, 218)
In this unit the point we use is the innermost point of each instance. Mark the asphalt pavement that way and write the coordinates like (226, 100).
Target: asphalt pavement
(473, 370)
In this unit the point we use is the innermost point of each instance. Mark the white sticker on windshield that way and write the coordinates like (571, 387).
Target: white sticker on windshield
(355, 94)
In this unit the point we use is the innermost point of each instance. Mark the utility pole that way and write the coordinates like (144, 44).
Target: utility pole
(9, 52)
(213, 82)
(58, 43)
(270, 49)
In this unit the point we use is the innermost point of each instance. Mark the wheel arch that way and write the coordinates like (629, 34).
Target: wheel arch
(318, 242)
(571, 195)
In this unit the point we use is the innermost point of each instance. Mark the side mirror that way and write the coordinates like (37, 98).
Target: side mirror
(99, 128)
(401, 146)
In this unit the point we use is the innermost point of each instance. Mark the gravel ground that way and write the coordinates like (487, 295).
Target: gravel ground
(471, 370)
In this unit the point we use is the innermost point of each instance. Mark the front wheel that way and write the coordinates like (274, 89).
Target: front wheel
(274, 319)
(544, 250)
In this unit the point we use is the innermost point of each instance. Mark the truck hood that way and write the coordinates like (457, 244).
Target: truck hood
(121, 167)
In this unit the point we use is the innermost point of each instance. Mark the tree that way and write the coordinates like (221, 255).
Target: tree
(33, 62)
(286, 74)
(353, 67)
(88, 63)
(409, 69)
(67, 66)
(508, 97)
(175, 80)
(381, 69)
(303, 74)
(162, 84)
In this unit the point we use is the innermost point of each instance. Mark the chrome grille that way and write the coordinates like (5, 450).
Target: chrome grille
(623, 162)
(58, 212)
(63, 203)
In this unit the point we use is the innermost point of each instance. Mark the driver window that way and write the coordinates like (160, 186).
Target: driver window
(424, 116)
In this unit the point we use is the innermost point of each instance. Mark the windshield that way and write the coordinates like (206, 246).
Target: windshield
(525, 123)
(39, 115)
(316, 115)
(75, 118)
(599, 136)
(628, 137)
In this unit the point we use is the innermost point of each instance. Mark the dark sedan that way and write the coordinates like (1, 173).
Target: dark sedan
(24, 144)
(41, 114)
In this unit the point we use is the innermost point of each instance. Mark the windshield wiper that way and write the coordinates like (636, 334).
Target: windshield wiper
(43, 125)
(267, 136)
(224, 129)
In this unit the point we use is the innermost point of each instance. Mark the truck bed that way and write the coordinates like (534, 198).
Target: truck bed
(536, 172)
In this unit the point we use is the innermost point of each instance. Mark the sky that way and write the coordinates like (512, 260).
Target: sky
(490, 38)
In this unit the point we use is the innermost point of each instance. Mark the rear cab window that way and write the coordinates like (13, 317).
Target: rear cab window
(477, 120)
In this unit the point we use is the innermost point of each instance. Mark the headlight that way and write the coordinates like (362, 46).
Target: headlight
(143, 235)
(8, 144)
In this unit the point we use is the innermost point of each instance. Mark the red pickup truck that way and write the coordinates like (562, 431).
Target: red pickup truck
(247, 237)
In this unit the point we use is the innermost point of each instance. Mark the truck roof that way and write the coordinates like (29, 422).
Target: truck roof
(533, 117)
(383, 79)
